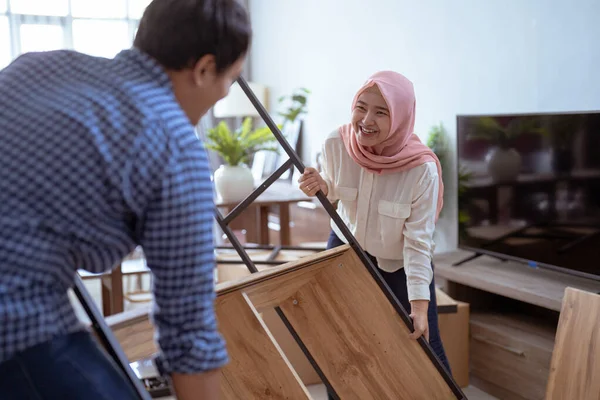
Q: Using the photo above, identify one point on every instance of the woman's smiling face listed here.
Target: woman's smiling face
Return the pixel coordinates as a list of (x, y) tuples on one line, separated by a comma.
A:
[(371, 117)]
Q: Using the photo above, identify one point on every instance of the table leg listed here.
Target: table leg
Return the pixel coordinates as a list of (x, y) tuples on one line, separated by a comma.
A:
[(112, 292), (264, 225), (284, 224)]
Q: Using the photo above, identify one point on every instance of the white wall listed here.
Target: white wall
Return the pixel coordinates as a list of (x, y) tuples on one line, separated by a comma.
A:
[(464, 56)]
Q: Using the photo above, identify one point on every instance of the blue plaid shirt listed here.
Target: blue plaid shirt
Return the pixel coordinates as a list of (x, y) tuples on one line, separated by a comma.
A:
[(97, 157)]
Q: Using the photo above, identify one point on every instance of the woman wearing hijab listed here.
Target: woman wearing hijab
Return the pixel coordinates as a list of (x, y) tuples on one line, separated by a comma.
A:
[(390, 190)]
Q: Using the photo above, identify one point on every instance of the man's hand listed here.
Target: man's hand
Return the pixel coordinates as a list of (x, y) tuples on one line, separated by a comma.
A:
[(419, 317), (311, 182)]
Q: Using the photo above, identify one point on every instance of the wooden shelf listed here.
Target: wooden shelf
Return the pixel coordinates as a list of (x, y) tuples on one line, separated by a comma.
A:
[(536, 286)]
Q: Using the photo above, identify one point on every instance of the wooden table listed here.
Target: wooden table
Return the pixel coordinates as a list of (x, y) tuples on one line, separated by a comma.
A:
[(112, 283), (255, 220)]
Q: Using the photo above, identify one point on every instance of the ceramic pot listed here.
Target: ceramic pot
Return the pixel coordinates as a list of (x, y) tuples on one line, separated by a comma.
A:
[(233, 183), (503, 164)]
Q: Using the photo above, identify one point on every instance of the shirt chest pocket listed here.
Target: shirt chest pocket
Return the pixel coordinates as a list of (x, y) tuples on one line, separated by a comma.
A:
[(392, 216)]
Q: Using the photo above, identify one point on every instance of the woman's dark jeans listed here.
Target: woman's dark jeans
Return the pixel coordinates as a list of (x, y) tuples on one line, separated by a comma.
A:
[(397, 283)]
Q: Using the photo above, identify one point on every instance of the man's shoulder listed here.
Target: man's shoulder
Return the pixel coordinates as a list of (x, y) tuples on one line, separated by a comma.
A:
[(63, 60)]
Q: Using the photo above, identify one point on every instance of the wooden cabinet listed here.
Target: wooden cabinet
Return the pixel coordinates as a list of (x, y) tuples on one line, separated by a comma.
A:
[(454, 330), (512, 353)]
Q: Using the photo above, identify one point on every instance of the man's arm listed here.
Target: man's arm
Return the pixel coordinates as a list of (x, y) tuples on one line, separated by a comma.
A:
[(177, 238)]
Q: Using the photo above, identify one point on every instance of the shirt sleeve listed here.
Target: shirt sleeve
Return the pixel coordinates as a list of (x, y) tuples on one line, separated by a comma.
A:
[(328, 172), (418, 237), (177, 239)]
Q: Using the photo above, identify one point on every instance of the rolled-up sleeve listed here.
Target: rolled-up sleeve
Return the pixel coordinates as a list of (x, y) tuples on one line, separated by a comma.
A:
[(177, 238), (328, 172), (418, 237)]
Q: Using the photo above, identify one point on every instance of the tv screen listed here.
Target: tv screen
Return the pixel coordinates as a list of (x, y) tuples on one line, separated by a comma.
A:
[(529, 189)]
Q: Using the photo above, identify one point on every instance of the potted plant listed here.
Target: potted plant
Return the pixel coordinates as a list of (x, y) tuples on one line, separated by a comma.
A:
[(503, 161), (438, 142), (293, 107), (297, 105), (233, 179)]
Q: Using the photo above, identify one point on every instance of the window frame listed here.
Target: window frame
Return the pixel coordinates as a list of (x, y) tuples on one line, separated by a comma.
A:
[(16, 20)]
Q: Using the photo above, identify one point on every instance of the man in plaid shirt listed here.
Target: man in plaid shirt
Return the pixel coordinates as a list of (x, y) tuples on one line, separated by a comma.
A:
[(98, 156)]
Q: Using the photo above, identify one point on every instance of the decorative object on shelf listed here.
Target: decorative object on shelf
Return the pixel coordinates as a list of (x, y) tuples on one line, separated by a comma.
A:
[(234, 180), (503, 161), (438, 141), (504, 164)]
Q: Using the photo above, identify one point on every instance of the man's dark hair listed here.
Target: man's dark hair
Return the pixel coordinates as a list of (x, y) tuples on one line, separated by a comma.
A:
[(177, 33)]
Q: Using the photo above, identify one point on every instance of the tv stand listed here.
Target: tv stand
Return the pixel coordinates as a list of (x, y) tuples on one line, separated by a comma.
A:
[(576, 239), (474, 256), (513, 319), (490, 243)]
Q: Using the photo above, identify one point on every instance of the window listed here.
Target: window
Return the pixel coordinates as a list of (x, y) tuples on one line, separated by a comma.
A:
[(41, 37), (5, 51), (96, 27), (137, 7), (99, 8), (100, 37), (56, 8)]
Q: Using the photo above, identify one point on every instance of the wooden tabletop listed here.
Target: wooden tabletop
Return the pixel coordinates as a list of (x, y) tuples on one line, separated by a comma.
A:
[(279, 192)]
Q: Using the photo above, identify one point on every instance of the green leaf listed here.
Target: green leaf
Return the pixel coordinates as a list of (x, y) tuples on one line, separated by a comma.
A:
[(299, 98), (298, 101), (246, 127), (236, 147)]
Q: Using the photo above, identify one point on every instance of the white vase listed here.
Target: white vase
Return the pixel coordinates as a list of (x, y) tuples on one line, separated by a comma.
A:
[(503, 164), (233, 183)]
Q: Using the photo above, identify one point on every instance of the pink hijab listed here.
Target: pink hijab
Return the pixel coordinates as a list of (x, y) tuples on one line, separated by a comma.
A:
[(401, 150)]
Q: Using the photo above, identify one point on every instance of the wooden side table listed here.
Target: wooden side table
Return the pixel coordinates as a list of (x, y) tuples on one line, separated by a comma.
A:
[(255, 220)]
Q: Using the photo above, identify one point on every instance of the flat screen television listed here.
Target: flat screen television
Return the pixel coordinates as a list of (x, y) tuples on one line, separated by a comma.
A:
[(529, 189)]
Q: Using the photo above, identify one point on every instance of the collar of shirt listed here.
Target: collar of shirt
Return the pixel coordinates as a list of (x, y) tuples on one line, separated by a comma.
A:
[(152, 68)]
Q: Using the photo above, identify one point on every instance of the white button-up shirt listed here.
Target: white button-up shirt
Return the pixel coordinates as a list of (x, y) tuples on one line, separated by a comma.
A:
[(392, 215)]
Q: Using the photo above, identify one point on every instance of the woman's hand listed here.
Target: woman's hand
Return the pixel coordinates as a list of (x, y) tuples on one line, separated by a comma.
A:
[(311, 182), (419, 317)]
